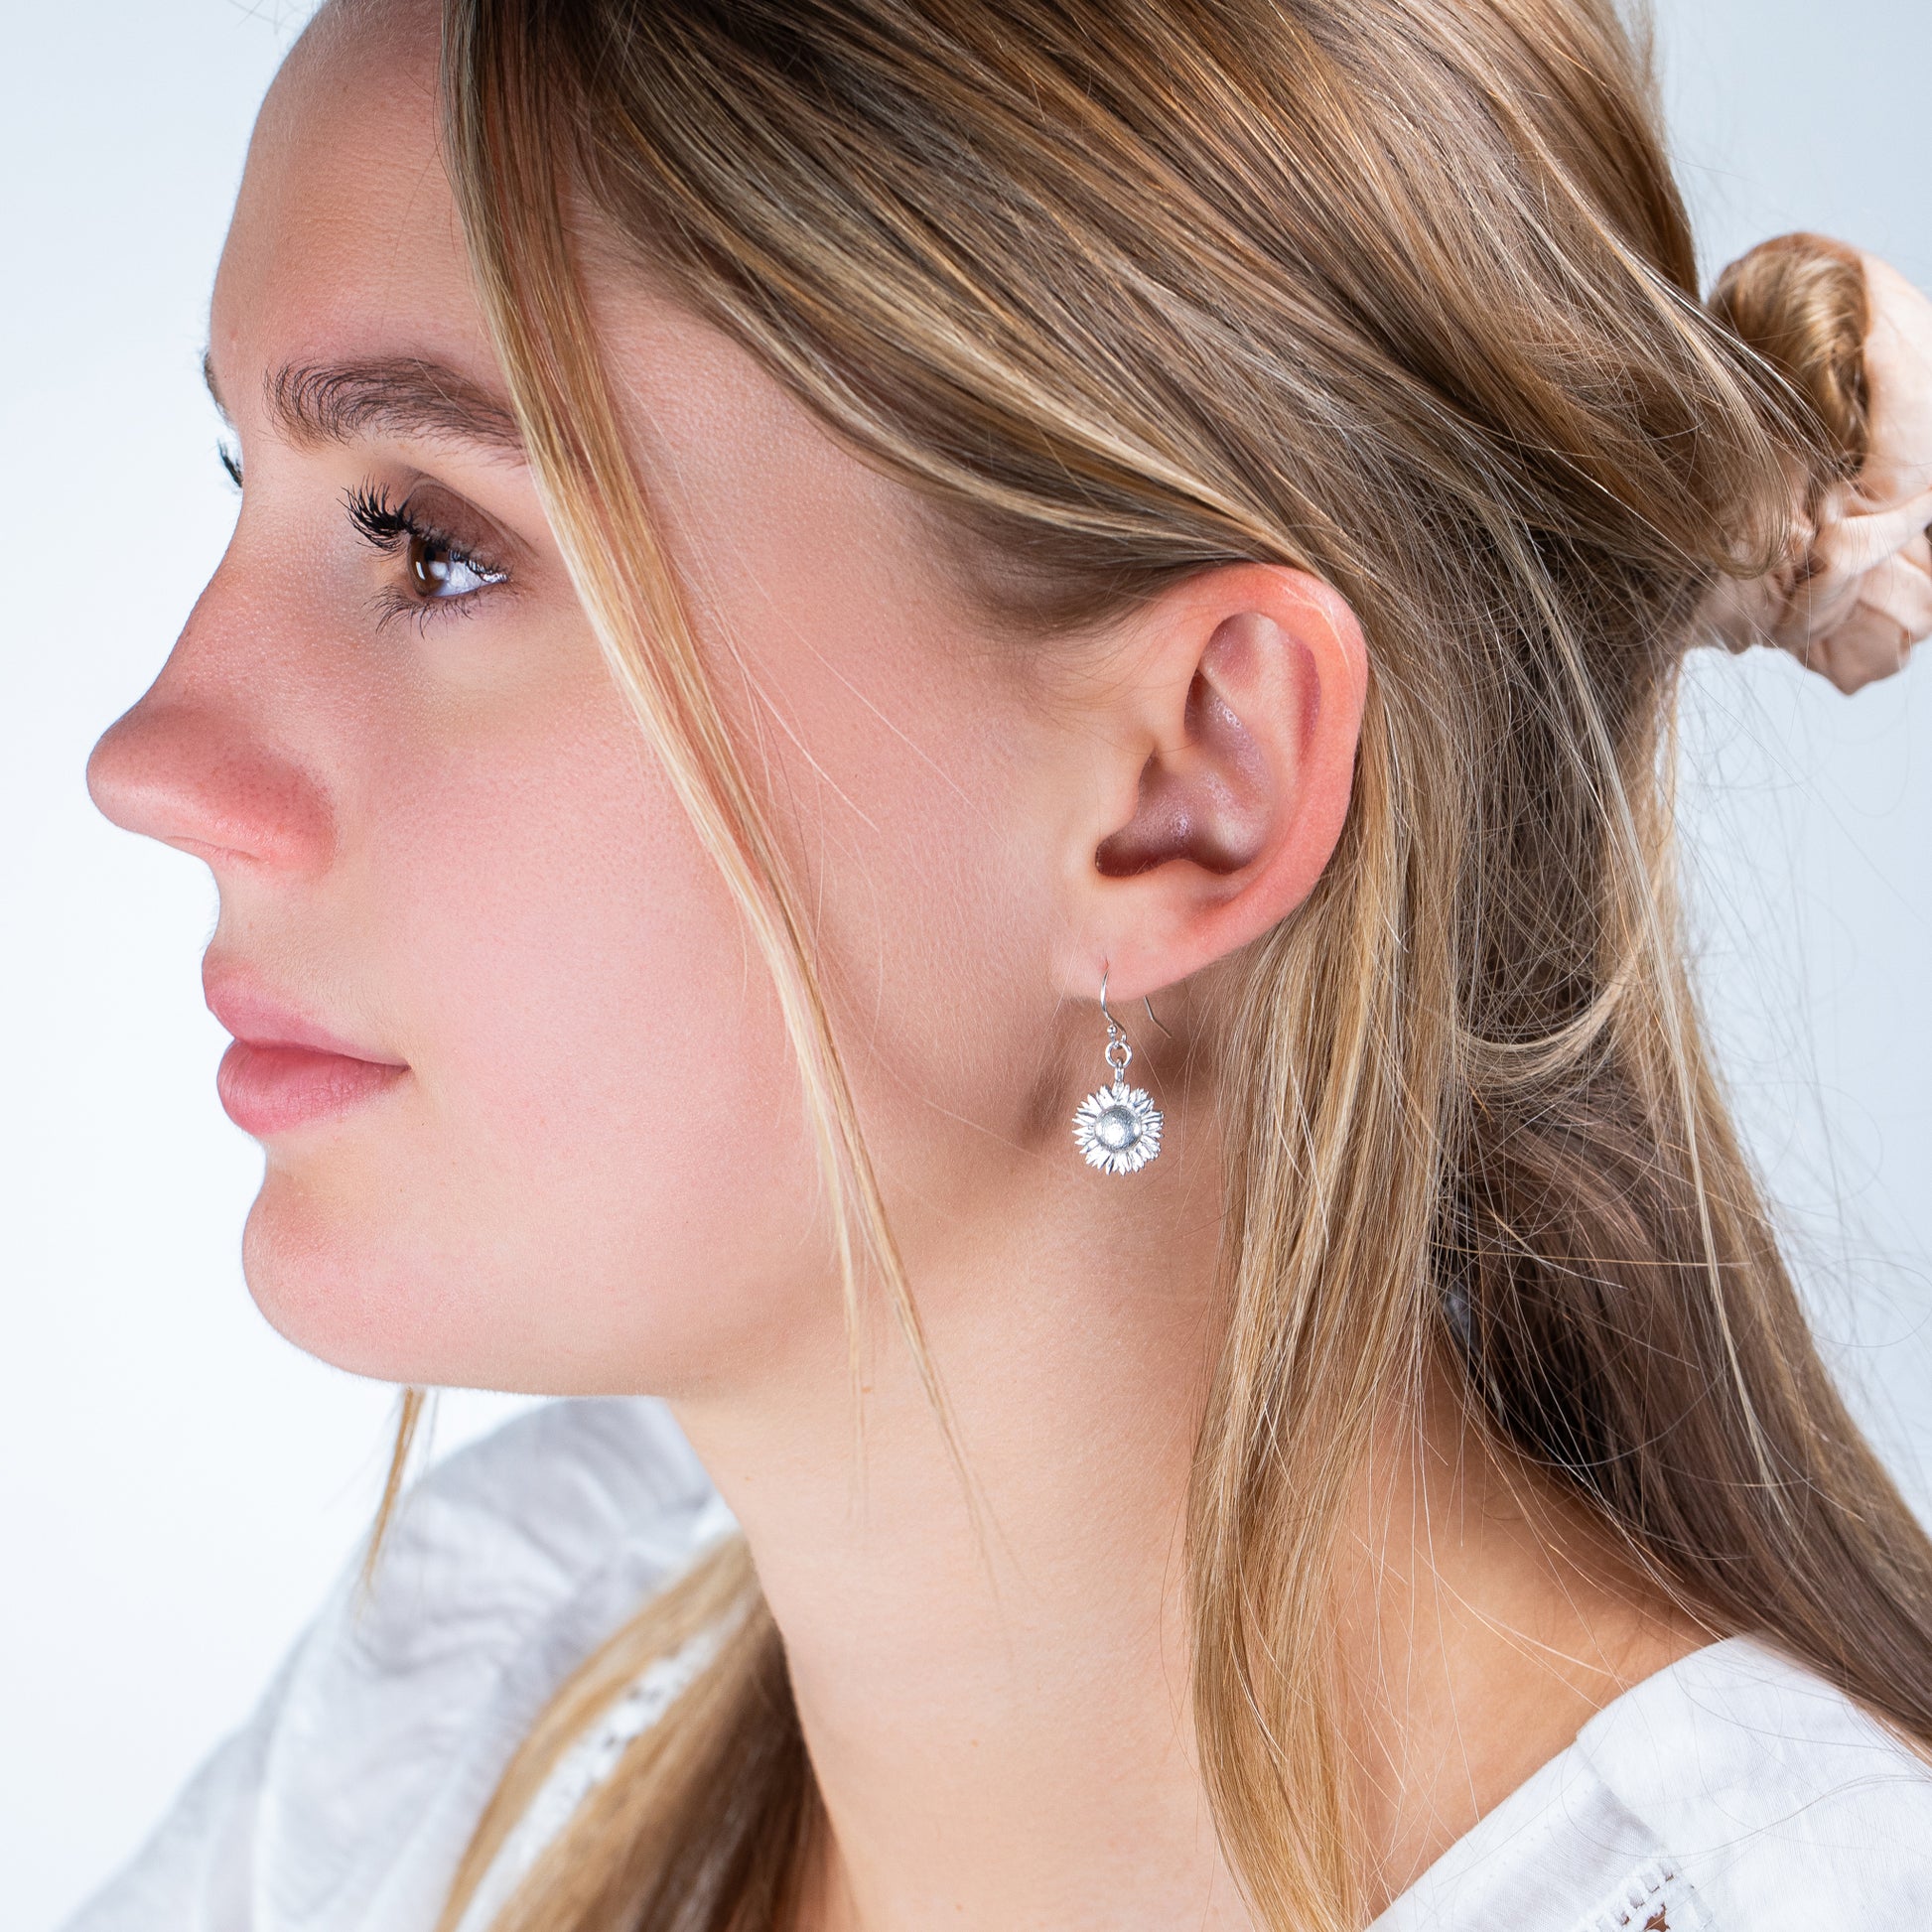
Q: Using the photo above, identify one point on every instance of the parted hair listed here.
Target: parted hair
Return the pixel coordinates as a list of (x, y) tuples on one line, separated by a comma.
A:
[(1401, 293)]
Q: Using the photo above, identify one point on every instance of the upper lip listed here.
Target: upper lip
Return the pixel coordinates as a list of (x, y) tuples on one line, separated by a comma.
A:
[(258, 1019)]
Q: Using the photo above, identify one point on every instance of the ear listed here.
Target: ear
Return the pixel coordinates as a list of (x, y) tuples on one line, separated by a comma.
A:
[(1222, 762)]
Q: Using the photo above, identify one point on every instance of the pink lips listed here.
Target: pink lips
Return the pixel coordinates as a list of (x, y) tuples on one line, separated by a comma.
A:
[(284, 1071)]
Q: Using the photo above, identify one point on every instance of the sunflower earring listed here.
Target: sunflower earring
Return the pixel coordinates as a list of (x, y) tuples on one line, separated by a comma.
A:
[(1118, 1128)]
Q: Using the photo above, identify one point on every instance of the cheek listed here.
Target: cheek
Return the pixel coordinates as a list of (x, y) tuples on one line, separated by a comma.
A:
[(935, 918), (595, 1178)]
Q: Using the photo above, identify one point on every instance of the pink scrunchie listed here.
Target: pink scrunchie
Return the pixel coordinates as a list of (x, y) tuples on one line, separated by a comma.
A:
[(1858, 593)]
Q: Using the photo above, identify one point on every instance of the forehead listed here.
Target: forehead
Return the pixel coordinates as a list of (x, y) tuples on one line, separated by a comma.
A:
[(345, 245), (344, 300)]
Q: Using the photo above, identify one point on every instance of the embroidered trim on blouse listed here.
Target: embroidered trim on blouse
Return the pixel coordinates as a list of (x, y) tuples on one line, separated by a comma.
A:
[(1654, 1898), (586, 1765)]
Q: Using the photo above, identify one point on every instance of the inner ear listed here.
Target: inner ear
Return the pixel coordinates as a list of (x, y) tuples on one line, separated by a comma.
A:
[(1209, 799)]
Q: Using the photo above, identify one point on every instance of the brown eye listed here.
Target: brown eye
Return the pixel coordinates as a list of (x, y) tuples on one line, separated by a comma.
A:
[(437, 567), (438, 570)]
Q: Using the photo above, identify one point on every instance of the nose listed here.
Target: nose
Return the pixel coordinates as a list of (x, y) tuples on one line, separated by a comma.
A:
[(191, 765), (176, 773)]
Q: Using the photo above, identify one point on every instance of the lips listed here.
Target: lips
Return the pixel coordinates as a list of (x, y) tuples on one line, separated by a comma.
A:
[(285, 1070)]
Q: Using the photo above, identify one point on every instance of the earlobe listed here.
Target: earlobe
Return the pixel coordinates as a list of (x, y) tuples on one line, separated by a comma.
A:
[(1244, 717)]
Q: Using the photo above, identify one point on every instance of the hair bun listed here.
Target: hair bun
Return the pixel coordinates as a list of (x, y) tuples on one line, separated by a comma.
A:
[(1853, 592)]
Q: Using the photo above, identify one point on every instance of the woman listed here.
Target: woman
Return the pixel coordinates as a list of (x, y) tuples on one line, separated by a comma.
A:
[(815, 581)]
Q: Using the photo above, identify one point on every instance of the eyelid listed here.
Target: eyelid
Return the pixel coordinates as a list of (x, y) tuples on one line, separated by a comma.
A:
[(386, 526)]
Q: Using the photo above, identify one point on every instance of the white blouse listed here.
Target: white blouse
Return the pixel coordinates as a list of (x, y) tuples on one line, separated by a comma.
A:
[(1733, 1792)]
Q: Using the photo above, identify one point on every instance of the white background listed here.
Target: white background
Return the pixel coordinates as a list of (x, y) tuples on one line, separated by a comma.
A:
[(176, 1485)]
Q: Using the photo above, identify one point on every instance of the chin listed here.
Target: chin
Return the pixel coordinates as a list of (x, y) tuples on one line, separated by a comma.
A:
[(404, 1303), (328, 1280)]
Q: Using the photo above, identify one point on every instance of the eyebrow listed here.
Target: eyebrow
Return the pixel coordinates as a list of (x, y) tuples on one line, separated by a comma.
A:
[(407, 398)]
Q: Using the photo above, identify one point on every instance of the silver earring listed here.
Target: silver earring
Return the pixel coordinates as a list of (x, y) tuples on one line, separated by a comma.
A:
[(1118, 1128)]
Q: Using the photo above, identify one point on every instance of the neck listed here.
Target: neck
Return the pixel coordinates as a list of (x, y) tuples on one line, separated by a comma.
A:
[(1485, 1618), (995, 1691)]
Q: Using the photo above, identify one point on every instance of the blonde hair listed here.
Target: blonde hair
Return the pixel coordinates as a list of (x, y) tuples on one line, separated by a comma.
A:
[(1399, 292)]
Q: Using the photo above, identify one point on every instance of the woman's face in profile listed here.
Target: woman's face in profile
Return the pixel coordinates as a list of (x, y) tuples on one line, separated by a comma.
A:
[(529, 1114)]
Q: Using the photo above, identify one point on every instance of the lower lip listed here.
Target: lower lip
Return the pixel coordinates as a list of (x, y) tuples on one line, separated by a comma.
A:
[(271, 1090)]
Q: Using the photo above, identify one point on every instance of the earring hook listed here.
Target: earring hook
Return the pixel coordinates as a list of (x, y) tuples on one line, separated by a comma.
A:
[(1107, 1014)]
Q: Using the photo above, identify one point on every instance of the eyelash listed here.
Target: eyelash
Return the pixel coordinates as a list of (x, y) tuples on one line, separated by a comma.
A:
[(393, 528)]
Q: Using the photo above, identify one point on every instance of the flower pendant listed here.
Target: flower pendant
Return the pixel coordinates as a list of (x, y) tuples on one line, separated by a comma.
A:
[(1117, 1129)]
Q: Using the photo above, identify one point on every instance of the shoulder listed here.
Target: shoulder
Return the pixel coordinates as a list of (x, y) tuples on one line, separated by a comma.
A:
[(1782, 1800), (350, 1798), (1733, 1792)]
